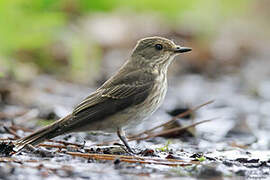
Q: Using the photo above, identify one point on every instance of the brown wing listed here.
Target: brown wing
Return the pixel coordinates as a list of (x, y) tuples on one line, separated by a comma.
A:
[(112, 98)]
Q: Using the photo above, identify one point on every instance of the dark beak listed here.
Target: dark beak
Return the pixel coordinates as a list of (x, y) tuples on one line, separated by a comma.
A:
[(180, 49)]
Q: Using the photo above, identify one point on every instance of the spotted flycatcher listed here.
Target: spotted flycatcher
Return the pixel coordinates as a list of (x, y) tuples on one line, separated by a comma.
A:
[(130, 95)]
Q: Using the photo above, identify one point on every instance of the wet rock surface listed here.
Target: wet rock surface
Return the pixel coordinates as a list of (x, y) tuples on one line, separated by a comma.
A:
[(234, 144)]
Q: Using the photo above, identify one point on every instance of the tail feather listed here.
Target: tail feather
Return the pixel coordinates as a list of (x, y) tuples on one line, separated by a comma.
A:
[(48, 132)]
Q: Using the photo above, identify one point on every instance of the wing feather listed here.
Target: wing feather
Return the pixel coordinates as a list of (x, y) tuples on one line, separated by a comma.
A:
[(120, 88), (112, 98)]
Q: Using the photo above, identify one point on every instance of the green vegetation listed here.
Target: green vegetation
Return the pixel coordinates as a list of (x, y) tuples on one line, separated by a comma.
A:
[(201, 159), (30, 29), (166, 147)]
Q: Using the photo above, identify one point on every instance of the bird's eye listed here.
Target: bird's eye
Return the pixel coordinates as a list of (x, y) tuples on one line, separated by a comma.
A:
[(158, 47)]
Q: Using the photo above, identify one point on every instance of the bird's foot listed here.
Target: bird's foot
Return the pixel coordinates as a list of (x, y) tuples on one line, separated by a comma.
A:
[(128, 149), (123, 138)]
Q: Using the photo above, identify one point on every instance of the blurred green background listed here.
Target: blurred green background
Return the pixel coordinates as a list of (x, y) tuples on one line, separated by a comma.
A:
[(71, 39)]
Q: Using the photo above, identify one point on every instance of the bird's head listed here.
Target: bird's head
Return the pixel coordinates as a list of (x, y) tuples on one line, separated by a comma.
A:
[(156, 51)]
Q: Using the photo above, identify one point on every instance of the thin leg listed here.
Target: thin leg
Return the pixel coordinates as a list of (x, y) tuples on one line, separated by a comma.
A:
[(84, 141), (121, 135)]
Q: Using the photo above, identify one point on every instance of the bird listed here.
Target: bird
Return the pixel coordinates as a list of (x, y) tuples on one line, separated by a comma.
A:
[(132, 94)]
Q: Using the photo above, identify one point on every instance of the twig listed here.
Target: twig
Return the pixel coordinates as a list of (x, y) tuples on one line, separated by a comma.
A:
[(173, 119), (10, 131), (170, 130), (53, 146), (135, 159), (65, 143)]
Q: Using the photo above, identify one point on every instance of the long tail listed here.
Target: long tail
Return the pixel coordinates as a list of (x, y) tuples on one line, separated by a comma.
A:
[(48, 132)]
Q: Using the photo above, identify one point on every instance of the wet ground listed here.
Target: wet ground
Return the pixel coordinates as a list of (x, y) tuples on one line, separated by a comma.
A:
[(233, 145)]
